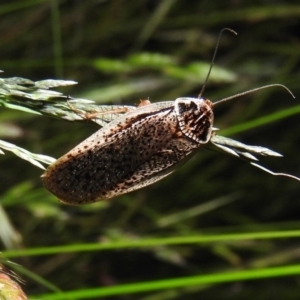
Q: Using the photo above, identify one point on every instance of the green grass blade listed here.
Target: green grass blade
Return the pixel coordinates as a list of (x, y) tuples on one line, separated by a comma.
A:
[(152, 242), (176, 283)]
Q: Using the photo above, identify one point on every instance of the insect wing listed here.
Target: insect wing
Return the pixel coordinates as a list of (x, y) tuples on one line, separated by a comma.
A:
[(131, 152), (116, 158)]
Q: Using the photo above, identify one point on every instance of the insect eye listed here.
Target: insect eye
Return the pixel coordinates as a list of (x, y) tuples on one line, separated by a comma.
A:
[(195, 118)]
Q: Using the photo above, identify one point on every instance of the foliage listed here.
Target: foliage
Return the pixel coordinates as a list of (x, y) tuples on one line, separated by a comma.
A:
[(123, 51)]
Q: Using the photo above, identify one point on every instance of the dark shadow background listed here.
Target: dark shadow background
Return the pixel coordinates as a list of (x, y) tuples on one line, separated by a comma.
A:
[(65, 39)]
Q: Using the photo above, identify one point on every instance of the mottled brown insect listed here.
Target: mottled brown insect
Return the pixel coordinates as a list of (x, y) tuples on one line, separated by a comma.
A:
[(142, 146), (131, 152)]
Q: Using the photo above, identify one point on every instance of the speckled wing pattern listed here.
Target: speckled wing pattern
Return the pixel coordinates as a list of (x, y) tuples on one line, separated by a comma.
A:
[(132, 151), (139, 148)]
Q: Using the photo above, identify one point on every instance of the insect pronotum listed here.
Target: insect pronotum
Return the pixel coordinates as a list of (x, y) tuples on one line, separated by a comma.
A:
[(141, 147)]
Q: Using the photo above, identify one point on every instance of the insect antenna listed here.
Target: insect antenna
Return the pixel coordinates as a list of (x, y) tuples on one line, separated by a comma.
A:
[(252, 91), (213, 59)]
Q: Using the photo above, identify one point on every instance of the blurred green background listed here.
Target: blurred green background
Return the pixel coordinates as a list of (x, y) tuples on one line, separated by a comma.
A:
[(124, 51)]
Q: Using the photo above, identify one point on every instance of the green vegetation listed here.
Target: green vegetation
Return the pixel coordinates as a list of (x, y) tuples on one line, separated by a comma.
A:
[(217, 228)]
